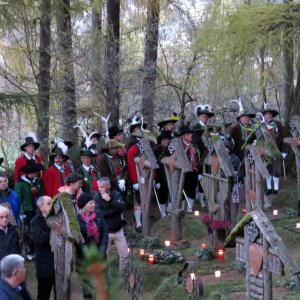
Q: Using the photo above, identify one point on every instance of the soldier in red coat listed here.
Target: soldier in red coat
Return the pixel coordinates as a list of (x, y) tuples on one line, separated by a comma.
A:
[(276, 166), (28, 147), (55, 176)]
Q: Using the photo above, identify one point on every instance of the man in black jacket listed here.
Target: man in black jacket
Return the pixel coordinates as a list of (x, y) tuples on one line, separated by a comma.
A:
[(44, 256), (12, 279), (9, 237), (111, 204)]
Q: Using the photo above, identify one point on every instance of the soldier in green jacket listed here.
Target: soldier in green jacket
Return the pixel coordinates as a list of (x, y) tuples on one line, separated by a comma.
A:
[(29, 188)]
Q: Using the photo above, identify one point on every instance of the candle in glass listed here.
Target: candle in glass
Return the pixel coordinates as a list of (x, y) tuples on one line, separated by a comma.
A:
[(151, 259)]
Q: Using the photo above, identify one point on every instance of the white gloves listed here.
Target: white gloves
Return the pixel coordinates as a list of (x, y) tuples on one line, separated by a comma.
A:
[(135, 186), (121, 184), (199, 177), (157, 186)]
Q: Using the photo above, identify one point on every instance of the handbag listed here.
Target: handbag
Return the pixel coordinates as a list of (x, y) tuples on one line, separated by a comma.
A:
[(238, 193)]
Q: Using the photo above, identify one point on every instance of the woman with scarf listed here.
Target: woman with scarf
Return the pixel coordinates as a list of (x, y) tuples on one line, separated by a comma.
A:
[(94, 231)]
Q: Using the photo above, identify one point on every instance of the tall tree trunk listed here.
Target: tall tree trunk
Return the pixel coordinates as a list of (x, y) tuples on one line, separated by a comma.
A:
[(97, 38), (288, 78), (262, 73), (66, 68), (44, 77), (112, 60), (150, 61)]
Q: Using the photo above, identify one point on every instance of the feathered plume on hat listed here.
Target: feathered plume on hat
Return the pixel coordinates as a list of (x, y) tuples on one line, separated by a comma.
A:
[(270, 110), (87, 137), (32, 135), (242, 111), (203, 109), (60, 143), (105, 120)]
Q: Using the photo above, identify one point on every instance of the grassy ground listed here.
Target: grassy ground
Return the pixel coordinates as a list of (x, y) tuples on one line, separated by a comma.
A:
[(160, 281)]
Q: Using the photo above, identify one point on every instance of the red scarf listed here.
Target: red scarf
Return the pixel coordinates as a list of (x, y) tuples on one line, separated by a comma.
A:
[(92, 229)]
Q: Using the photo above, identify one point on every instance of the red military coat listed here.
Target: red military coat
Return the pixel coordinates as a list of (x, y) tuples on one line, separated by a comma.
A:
[(132, 153), (21, 162), (53, 179)]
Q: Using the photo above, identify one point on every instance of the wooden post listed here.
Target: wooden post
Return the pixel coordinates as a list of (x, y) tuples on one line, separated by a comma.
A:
[(247, 244), (267, 275), (145, 166), (247, 185), (180, 163), (295, 143)]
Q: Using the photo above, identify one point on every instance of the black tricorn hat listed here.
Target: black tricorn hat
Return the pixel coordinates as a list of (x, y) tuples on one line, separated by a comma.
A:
[(87, 152), (184, 129), (114, 130), (59, 152), (32, 167), (270, 110), (95, 134), (30, 140), (1, 160), (165, 134)]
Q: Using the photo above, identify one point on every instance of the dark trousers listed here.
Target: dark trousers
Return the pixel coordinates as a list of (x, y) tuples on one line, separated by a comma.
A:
[(44, 288)]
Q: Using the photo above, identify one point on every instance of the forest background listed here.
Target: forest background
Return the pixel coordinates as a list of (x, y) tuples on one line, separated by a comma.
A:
[(61, 61)]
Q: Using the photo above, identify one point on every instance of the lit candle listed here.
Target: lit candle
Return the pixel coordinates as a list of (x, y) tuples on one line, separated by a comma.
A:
[(193, 276), (244, 211), (218, 274), (275, 212), (298, 225), (151, 259), (142, 253), (167, 243), (220, 254), (203, 246), (197, 213)]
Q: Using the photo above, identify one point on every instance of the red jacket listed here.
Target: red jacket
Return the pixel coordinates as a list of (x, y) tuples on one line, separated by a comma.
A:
[(132, 175), (21, 162), (53, 180)]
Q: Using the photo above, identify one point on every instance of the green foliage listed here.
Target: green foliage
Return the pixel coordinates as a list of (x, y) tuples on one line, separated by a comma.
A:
[(206, 254), (167, 256), (170, 289), (150, 242)]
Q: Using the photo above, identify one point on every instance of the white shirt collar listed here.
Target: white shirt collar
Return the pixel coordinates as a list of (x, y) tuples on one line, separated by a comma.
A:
[(87, 168), (28, 157)]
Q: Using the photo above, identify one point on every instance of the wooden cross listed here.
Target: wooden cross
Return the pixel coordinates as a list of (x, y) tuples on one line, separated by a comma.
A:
[(176, 166)]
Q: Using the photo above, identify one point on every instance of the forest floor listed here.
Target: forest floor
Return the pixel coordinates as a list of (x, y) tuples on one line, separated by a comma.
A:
[(159, 281)]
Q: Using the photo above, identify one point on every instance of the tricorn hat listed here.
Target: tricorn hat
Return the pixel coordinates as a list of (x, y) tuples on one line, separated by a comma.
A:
[(60, 143), (171, 119), (135, 122), (31, 139), (184, 129), (114, 130), (204, 109), (267, 109), (87, 152), (165, 134), (59, 152), (32, 167)]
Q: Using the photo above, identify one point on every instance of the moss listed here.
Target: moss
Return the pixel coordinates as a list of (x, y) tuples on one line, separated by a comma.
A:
[(170, 289), (66, 202)]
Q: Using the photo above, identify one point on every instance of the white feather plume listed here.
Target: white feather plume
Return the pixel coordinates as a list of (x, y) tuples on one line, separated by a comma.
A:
[(266, 105), (60, 144), (196, 108), (105, 120), (32, 135), (85, 136), (239, 102), (261, 117)]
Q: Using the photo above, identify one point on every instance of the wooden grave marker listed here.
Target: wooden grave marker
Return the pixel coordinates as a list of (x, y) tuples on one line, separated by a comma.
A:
[(176, 166), (295, 143), (263, 252), (145, 166), (217, 169)]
